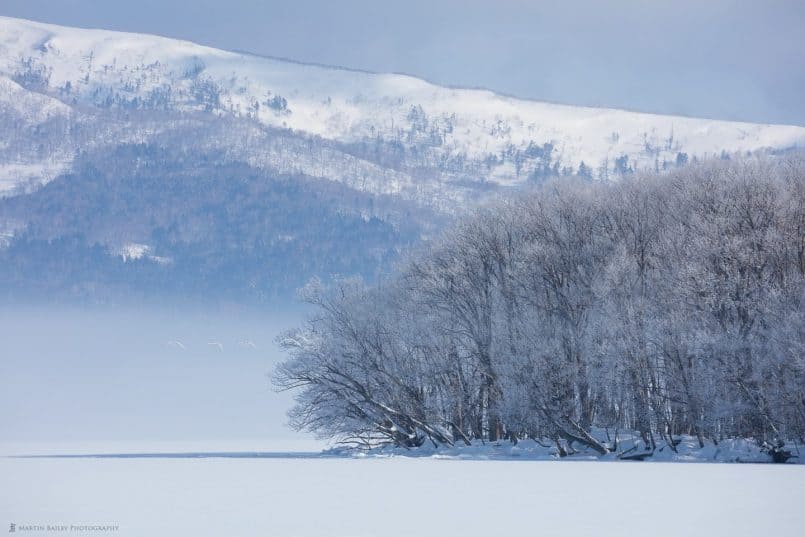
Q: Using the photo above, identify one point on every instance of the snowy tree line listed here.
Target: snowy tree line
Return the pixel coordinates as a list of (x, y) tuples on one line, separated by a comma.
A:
[(666, 305)]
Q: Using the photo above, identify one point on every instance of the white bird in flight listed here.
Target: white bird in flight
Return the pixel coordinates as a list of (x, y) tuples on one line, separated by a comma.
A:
[(248, 343), (216, 345), (176, 345)]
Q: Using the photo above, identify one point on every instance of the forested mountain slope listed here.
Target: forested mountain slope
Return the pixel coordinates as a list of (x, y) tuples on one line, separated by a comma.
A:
[(139, 164)]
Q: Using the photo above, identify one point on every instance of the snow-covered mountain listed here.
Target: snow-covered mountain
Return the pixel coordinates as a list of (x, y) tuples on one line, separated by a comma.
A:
[(383, 133), (139, 165)]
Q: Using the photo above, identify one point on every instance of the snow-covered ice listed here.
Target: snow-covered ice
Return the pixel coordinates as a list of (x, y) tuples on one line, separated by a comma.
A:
[(403, 497)]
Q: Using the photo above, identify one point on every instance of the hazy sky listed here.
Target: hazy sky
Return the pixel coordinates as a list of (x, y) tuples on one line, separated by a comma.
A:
[(728, 59)]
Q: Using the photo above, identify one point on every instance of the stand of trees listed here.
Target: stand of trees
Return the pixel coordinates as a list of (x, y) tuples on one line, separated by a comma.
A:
[(666, 305)]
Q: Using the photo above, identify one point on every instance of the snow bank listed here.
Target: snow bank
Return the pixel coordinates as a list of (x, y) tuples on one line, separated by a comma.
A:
[(630, 448)]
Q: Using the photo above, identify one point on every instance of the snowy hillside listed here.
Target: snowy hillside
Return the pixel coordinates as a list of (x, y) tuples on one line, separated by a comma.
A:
[(135, 165), (393, 133)]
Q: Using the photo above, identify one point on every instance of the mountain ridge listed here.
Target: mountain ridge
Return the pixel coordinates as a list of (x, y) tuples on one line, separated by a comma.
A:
[(337, 67), (137, 166), (492, 136)]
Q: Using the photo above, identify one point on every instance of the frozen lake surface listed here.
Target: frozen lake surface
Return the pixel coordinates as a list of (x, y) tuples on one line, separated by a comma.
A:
[(401, 496)]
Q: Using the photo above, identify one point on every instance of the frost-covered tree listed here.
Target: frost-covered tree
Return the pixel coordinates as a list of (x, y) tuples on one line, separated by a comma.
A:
[(667, 305)]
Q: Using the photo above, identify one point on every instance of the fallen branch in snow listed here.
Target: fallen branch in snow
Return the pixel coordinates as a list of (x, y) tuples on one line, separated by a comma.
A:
[(636, 456)]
